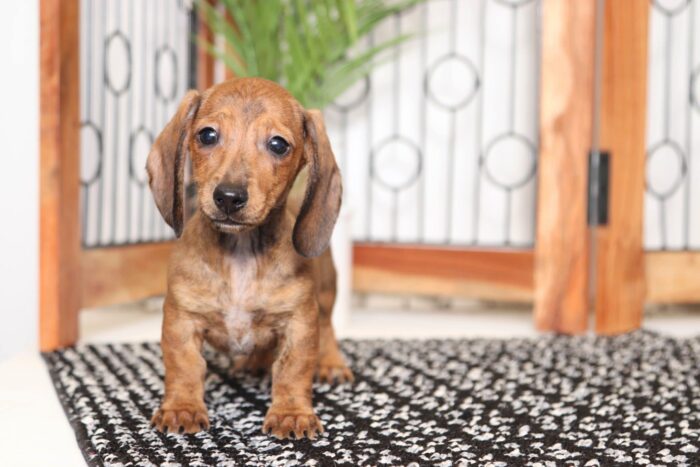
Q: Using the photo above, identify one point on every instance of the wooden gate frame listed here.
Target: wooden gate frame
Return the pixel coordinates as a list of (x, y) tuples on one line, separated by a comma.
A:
[(555, 275), (72, 277), (59, 225), (574, 272)]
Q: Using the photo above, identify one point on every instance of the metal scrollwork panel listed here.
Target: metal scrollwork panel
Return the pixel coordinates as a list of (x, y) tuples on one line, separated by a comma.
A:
[(439, 144), (672, 201), (136, 64)]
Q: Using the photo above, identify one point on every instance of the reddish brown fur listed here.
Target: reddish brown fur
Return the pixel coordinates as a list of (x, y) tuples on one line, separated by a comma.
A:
[(248, 288)]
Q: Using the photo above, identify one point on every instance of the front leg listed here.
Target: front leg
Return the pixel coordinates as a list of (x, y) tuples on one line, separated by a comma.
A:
[(291, 410), (182, 409)]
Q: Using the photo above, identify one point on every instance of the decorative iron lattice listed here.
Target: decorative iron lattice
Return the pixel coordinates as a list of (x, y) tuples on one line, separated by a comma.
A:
[(439, 144), (672, 204), (136, 64)]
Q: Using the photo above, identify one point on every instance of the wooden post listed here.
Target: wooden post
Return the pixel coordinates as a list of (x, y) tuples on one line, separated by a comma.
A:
[(566, 115), (620, 283), (59, 281)]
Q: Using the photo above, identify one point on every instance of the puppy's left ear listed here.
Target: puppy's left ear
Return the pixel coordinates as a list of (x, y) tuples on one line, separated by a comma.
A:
[(324, 190), (166, 163)]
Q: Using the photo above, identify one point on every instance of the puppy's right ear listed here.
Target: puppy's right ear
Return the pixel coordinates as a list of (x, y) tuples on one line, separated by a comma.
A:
[(166, 163)]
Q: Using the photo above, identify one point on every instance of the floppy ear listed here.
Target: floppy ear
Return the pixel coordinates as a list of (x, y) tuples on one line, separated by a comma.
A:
[(166, 163), (324, 190)]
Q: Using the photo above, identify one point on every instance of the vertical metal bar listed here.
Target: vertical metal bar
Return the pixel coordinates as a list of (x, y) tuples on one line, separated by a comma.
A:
[(450, 174), (452, 133), (508, 209), (667, 123), (154, 112), (513, 64), (144, 54), (129, 124), (513, 99), (116, 98), (688, 129), (662, 222), (397, 120), (421, 187), (103, 119), (164, 102), (478, 130)]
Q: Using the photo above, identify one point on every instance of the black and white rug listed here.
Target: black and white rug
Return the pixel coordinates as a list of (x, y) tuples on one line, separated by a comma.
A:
[(627, 400)]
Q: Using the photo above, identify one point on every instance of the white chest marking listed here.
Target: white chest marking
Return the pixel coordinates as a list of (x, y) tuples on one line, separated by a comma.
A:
[(239, 317)]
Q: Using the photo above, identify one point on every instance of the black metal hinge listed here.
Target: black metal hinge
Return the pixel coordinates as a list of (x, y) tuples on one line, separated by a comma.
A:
[(598, 188)]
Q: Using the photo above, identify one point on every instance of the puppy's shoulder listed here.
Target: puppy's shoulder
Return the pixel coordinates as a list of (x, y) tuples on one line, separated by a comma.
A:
[(193, 251)]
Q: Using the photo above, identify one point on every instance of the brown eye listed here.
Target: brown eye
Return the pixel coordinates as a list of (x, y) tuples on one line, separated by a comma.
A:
[(278, 145), (208, 136)]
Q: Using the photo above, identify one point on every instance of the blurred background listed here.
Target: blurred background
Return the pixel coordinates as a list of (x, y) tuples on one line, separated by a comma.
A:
[(510, 166)]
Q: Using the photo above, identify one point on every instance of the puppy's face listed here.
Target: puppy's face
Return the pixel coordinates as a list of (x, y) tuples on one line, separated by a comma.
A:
[(246, 143), (247, 139)]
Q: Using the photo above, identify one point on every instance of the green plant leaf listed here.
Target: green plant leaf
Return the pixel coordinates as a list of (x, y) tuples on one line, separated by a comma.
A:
[(309, 46), (348, 13), (230, 61)]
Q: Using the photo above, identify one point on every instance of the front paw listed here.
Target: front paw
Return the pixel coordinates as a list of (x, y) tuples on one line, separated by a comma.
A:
[(282, 423), (185, 418)]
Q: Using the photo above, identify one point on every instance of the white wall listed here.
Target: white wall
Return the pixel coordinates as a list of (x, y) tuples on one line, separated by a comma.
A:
[(19, 195)]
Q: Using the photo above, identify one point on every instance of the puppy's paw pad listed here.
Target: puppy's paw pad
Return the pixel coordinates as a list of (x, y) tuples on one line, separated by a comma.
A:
[(287, 425), (334, 373), (181, 420)]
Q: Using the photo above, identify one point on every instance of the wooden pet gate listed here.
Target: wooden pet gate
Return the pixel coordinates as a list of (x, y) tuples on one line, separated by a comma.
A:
[(588, 94)]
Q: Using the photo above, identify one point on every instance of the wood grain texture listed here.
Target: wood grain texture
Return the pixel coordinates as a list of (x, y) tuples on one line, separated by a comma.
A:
[(59, 264), (566, 114), (620, 279), (123, 274), (673, 276), (484, 274)]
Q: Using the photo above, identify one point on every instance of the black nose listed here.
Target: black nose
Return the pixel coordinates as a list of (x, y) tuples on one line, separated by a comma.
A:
[(230, 198)]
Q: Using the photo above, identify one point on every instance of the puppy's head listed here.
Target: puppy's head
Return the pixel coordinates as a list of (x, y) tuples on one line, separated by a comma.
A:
[(247, 139)]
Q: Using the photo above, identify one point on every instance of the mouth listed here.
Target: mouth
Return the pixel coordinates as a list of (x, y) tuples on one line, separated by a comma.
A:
[(229, 225)]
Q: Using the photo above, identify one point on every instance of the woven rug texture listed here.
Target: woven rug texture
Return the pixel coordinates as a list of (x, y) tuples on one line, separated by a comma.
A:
[(574, 401)]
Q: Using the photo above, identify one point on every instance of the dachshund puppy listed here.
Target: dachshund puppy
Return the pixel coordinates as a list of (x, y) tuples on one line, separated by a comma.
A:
[(251, 273)]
